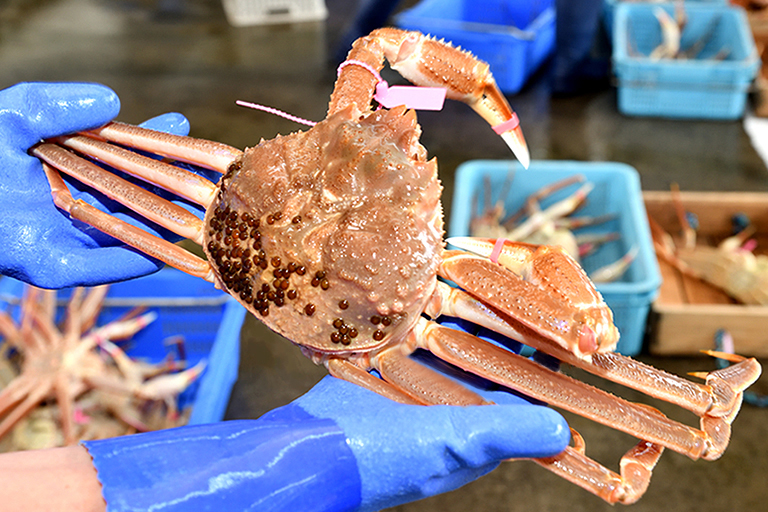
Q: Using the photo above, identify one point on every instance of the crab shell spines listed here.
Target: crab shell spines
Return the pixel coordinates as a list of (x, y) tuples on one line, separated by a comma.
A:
[(333, 236)]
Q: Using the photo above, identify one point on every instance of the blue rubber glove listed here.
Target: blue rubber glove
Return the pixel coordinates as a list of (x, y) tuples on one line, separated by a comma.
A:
[(339, 447), (41, 244)]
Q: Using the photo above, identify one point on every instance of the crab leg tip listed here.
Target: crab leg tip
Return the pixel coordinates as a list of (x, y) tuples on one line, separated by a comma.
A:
[(479, 246), (733, 358), (516, 142)]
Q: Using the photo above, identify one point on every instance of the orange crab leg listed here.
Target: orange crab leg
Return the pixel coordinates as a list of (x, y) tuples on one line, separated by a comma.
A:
[(73, 320), (10, 333), (92, 304), (718, 397), (169, 177), (151, 245), (211, 155), (343, 369), (39, 391), (64, 398), (427, 62), (425, 385), (717, 401), (545, 290), (184, 183), (629, 486), (430, 387), (143, 202), (15, 391), (539, 218), (530, 378)]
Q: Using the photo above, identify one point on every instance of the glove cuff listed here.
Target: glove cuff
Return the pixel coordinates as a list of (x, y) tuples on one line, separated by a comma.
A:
[(287, 460)]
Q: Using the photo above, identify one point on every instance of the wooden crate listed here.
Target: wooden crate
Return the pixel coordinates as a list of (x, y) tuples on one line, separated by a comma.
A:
[(688, 312)]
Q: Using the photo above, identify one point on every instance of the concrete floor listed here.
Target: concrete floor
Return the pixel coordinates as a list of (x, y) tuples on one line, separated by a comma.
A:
[(174, 55)]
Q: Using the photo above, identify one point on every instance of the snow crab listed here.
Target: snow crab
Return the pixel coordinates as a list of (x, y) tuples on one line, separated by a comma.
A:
[(333, 238), (731, 265), (66, 368)]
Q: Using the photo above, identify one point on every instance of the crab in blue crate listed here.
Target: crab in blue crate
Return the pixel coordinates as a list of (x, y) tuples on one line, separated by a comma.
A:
[(73, 374), (333, 238), (672, 29), (551, 225), (612, 213)]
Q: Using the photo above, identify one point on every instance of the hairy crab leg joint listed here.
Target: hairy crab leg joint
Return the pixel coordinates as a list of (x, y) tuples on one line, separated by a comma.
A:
[(333, 237)]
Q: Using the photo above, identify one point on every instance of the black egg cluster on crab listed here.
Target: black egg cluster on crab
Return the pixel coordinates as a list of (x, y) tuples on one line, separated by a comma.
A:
[(236, 249), (235, 246)]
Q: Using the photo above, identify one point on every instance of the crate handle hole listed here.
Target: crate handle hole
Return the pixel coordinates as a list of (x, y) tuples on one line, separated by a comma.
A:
[(278, 11)]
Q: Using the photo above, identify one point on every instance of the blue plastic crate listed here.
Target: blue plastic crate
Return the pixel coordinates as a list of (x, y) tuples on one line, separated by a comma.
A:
[(701, 88), (514, 37), (208, 319), (616, 191)]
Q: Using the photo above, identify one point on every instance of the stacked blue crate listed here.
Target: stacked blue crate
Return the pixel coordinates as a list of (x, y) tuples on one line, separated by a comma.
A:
[(712, 85)]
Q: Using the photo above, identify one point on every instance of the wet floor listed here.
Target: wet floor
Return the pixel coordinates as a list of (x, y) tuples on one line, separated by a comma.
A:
[(175, 55)]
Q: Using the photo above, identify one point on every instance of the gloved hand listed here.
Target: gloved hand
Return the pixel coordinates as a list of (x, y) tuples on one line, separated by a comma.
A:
[(41, 244), (339, 447)]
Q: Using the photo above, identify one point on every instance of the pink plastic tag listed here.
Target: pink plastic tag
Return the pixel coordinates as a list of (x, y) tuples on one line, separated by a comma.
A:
[(497, 247), (750, 245), (510, 124), (80, 417), (417, 98)]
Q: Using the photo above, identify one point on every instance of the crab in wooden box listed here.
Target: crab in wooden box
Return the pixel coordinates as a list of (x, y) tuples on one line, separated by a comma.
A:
[(333, 238)]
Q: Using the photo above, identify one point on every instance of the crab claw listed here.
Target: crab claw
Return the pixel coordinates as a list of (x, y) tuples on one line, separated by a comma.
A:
[(427, 62), (492, 106), (559, 285), (516, 142)]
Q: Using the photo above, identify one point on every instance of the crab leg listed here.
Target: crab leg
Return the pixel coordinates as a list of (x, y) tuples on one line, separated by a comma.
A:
[(10, 333), (143, 202), (343, 369), (169, 177), (73, 320), (626, 488), (539, 218), (501, 309), (49, 334), (186, 184), (530, 378), (34, 395), (427, 386), (26, 328), (545, 290), (15, 391), (64, 398), (718, 397), (532, 208), (91, 307), (205, 153), (151, 245), (430, 387), (424, 61)]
